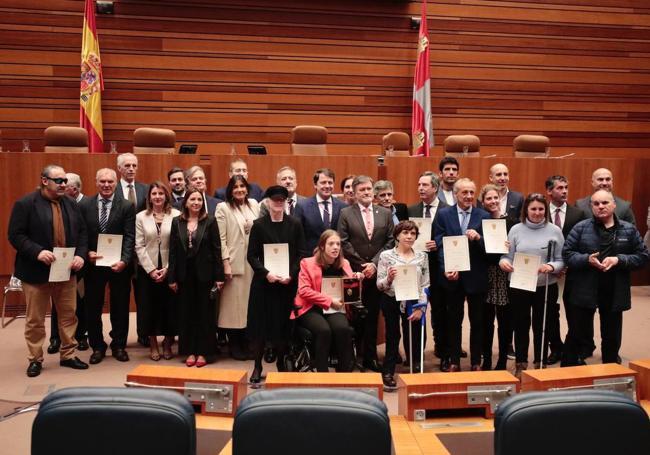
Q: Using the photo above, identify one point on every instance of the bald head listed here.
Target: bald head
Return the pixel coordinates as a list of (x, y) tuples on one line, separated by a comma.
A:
[(500, 177), (602, 179), (603, 205)]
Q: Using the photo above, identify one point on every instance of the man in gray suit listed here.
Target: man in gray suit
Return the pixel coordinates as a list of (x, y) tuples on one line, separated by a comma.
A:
[(602, 179), (366, 230), (127, 187), (286, 177)]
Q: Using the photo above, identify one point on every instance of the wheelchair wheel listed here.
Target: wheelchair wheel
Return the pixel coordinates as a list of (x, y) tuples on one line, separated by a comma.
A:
[(303, 361)]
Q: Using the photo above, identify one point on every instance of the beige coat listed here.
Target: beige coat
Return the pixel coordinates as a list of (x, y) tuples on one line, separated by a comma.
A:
[(233, 305), (146, 239)]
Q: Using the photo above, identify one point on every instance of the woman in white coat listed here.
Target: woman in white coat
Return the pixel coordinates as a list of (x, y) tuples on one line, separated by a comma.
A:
[(156, 302), (235, 218)]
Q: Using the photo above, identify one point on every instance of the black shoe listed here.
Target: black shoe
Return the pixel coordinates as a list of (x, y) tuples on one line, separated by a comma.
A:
[(444, 365), (55, 345), (255, 377), (82, 344), (372, 365), (389, 382), (463, 354), (96, 357), (34, 369), (581, 362), (269, 355), (553, 358), (120, 355), (143, 341), (74, 363)]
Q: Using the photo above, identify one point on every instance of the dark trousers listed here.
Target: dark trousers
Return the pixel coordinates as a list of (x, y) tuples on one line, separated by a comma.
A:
[(119, 285), (455, 314), (439, 320), (368, 328), (326, 328), (80, 333), (390, 310), (504, 332), (523, 302), (587, 346), (416, 327)]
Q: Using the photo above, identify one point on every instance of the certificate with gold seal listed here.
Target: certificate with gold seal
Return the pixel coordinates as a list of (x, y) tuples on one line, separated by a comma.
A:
[(424, 233), (405, 283), (332, 287), (276, 259), (526, 269), (456, 253), (109, 247), (60, 268), (495, 236)]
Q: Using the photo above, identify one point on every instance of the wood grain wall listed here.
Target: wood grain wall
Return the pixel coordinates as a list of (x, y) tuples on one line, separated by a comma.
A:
[(246, 71)]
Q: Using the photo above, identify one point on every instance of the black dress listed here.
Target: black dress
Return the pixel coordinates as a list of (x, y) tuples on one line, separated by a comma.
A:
[(270, 304), (195, 266)]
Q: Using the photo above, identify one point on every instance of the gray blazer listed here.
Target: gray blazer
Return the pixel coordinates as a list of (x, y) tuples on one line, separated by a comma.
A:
[(357, 248), (623, 209)]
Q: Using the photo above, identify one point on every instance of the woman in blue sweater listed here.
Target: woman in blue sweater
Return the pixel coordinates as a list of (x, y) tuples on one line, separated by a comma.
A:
[(537, 236)]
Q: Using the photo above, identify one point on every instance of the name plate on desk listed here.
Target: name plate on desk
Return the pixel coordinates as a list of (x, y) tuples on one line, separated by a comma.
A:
[(417, 393), (370, 383), (609, 376), (214, 392)]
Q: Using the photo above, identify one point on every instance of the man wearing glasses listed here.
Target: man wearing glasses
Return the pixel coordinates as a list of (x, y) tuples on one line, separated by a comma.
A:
[(40, 222)]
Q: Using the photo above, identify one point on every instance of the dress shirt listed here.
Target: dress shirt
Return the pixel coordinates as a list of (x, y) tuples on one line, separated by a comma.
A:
[(449, 196), (321, 208), (432, 210), (553, 208), (125, 190), (503, 203), (79, 197), (287, 207), (369, 223), (461, 213), (109, 206)]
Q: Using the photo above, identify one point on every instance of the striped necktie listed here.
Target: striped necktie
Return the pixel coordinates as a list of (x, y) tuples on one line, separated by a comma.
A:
[(103, 216)]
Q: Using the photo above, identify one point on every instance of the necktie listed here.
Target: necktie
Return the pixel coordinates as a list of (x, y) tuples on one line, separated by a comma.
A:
[(368, 220), (326, 214), (465, 222), (557, 221), (289, 206), (427, 211), (103, 216), (131, 193)]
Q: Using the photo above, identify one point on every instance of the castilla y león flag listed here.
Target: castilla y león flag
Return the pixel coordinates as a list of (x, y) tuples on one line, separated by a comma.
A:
[(92, 82), (421, 127)]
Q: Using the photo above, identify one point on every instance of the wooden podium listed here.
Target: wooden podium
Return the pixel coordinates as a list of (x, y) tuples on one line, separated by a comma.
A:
[(642, 368), (609, 376), (366, 382), (216, 392), (418, 393)]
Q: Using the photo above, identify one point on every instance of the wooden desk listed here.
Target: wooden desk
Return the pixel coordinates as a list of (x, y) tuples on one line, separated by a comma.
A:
[(642, 368), (363, 381)]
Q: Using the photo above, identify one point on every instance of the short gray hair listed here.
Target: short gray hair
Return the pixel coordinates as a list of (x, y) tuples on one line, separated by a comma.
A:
[(382, 185), (123, 156), (462, 181), (359, 179), (106, 170), (74, 180), (435, 182)]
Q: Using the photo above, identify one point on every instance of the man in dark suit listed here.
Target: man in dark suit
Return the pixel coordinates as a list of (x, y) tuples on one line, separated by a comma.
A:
[(366, 230), (385, 196), (602, 179), (463, 219), (73, 190), (565, 217), (195, 177), (176, 179), (239, 167), (511, 202), (286, 177), (429, 207), (448, 168), (40, 222), (128, 188), (321, 211), (107, 214)]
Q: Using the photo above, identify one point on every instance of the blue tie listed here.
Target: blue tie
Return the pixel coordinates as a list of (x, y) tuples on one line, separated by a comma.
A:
[(465, 222)]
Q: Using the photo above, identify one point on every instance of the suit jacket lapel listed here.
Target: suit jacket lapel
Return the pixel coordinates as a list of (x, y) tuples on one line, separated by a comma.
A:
[(454, 220), (200, 230), (182, 233), (45, 214), (317, 215)]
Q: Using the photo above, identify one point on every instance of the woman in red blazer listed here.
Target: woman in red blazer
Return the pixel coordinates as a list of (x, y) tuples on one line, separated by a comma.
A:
[(319, 313)]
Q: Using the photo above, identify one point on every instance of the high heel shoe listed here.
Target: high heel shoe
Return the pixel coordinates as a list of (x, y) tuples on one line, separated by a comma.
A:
[(190, 361), (255, 377), (200, 362), (167, 349)]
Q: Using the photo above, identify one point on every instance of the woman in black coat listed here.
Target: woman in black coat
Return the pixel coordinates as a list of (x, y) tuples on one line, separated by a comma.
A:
[(195, 267), (271, 297)]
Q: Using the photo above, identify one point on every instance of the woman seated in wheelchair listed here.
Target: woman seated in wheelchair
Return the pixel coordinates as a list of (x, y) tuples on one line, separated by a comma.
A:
[(405, 234), (324, 316)]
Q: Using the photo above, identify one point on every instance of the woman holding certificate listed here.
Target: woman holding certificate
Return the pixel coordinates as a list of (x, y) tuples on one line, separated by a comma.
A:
[(319, 303), (157, 306), (496, 302), (394, 265), (195, 268), (275, 248), (533, 261), (235, 219)]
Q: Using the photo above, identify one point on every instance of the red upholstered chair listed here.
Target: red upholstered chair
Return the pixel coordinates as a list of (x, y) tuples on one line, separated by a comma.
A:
[(531, 146), (154, 140), (396, 143), (462, 145), (309, 140), (70, 139)]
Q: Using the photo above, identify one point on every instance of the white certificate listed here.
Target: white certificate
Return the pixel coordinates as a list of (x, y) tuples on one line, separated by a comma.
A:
[(456, 253), (526, 269), (495, 236), (109, 247), (276, 259), (60, 268), (332, 287), (424, 228), (405, 283)]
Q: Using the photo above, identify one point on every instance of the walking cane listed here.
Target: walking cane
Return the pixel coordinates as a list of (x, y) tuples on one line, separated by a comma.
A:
[(549, 256), (410, 306)]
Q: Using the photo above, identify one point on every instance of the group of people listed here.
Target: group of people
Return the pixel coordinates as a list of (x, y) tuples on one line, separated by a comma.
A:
[(197, 265)]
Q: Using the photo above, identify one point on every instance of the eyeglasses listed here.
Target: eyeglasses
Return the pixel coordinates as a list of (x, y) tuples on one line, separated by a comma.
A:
[(57, 180)]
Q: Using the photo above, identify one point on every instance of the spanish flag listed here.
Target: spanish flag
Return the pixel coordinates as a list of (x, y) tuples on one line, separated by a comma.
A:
[(92, 82), (421, 124)]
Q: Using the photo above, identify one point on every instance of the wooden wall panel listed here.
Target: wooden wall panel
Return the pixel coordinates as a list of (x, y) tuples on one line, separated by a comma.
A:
[(242, 72)]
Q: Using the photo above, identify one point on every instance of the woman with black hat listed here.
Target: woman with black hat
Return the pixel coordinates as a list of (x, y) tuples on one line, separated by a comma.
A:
[(271, 297)]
